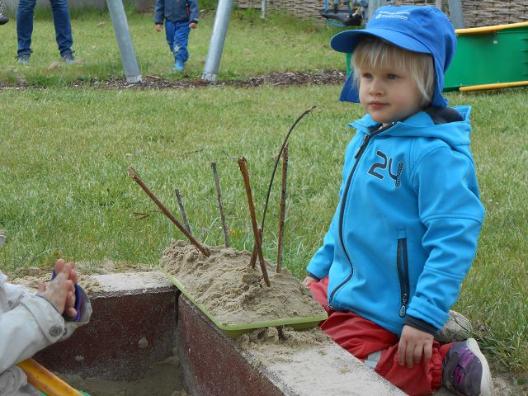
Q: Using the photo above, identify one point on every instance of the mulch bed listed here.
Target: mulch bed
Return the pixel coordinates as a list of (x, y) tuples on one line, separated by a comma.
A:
[(154, 82)]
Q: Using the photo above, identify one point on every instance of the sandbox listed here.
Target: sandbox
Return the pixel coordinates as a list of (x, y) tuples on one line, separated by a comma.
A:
[(145, 338)]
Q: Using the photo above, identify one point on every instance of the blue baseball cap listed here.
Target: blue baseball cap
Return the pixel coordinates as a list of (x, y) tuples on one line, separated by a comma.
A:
[(422, 29)]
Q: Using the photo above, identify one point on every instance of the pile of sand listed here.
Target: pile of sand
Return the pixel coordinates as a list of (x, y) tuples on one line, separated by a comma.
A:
[(228, 288)]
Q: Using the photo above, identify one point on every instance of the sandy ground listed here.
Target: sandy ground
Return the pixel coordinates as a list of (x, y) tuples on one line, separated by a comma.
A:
[(162, 379)]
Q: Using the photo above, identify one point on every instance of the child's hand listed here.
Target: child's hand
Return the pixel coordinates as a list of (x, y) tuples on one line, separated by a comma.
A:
[(60, 292), (62, 266), (158, 27), (193, 25), (308, 281), (413, 346)]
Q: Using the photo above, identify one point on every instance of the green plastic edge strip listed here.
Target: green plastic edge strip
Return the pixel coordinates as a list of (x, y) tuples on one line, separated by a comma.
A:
[(304, 322)]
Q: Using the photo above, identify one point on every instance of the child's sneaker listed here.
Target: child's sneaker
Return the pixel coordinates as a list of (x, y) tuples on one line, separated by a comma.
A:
[(466, 370), (179, 66)]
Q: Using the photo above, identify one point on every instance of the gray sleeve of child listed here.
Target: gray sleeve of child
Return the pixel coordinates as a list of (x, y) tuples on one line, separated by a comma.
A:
[(26, 329), (33, 325)]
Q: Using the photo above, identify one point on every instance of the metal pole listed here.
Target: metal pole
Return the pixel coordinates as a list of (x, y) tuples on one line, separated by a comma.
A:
[(216, 46), (128, 55), (263, 9), (456, 13), (373, 5)]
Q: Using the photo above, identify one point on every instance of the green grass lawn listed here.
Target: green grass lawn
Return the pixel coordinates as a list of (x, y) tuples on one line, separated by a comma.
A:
[(64, 190), (64, 152), (252, 47)]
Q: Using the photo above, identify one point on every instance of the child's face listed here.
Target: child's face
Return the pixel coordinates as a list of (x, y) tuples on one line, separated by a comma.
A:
[(388, 94)]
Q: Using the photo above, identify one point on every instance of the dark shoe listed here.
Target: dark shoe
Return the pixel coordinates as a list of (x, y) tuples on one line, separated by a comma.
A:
[(3, 19), (23, 59), (68, 58), (466, 370)]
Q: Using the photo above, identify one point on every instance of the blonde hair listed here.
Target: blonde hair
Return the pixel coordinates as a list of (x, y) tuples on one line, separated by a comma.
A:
[(374, 53)]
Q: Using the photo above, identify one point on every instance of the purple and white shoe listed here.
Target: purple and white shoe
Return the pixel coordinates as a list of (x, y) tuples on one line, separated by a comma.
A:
[(466, 370)]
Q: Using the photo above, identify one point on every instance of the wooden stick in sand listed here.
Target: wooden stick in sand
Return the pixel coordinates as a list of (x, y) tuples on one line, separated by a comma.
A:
[(242, 163), (134, 175), (282, 207), (182, 210), (254, 252), (220, 205)]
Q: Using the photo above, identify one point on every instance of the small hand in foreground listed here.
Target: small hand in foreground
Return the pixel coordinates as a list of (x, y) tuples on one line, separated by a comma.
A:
[(308, 281), (413, 346), (193, 25), (60, 291), (158, 27)]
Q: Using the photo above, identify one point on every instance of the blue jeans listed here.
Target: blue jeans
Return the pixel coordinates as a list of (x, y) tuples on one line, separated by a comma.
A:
[(61, 19), (178, 37)]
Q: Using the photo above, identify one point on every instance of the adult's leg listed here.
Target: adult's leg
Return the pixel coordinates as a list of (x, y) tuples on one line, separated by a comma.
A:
[(61, 20), (24, 23), (181, 40), (378, 347)]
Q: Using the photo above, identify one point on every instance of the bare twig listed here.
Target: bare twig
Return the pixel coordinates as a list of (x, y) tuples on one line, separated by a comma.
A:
[(282, 208), (277, 162), (182, 210), (242, 163), (220, 205), (254, 253), (134, 175)]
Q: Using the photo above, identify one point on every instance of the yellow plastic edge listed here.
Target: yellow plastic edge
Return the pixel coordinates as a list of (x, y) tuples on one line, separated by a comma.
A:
[(482, 87), (490, 29)]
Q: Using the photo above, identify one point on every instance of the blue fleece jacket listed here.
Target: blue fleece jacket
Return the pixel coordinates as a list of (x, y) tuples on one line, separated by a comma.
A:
[(405, 230), (176, 11)]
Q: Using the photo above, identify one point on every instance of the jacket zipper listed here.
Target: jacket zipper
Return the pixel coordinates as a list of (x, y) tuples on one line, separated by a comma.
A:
[(403, 274), (357, 157)]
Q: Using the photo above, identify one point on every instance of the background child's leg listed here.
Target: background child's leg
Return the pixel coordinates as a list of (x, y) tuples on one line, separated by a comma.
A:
[(169, 34), (181, 39), (378, 347)]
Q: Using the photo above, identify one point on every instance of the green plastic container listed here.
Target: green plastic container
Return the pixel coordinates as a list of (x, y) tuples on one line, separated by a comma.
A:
[(490, 55), (235, 329)]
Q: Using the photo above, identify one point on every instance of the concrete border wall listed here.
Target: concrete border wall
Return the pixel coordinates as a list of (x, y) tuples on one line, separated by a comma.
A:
[(139, 318)]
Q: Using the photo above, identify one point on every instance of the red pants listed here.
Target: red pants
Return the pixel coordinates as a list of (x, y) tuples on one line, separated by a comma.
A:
[(361, 337)]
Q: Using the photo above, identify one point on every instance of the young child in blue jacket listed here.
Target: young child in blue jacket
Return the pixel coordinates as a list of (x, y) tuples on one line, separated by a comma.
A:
[(180, 17), (405, 230)]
